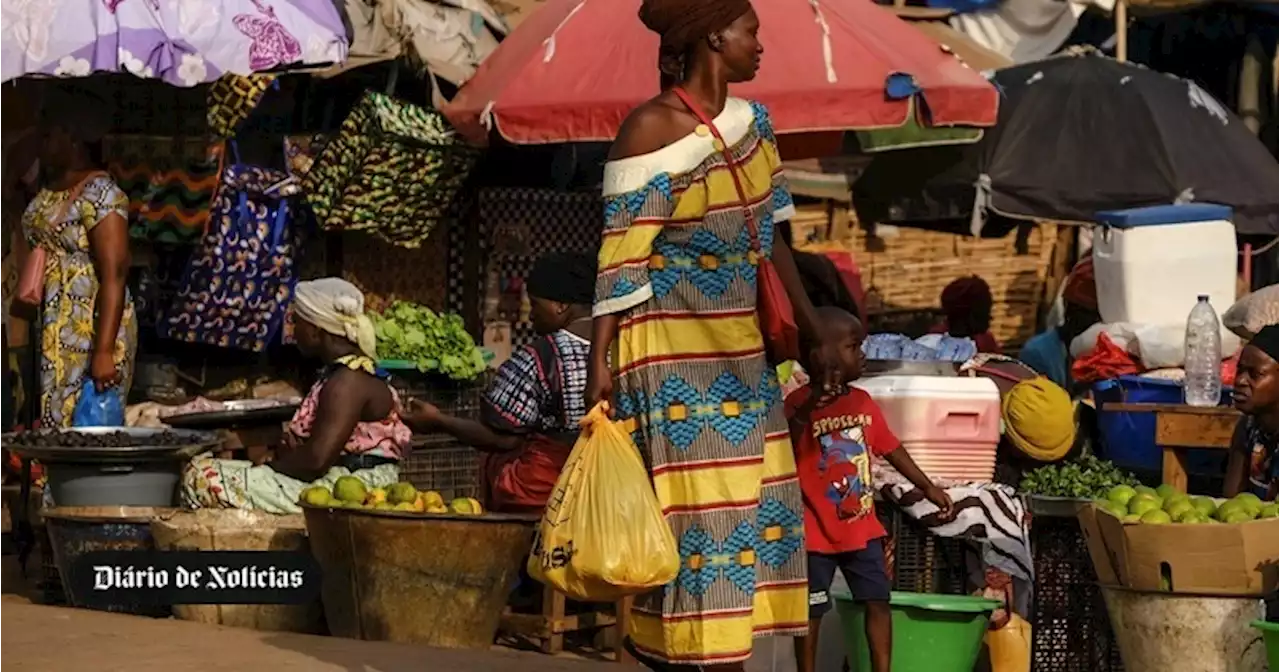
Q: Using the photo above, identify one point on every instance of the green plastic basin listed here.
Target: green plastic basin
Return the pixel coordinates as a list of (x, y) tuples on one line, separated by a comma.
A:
[(1269, 638), (931, 633)]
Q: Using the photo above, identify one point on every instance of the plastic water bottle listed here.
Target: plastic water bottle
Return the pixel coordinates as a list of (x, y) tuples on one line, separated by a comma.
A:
[(1203, 385)]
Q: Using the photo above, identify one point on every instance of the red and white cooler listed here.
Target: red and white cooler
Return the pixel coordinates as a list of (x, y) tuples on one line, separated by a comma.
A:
[(949, 425)]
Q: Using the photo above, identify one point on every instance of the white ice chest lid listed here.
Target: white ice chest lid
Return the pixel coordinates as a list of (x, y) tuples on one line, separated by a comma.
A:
[(1160, 215)]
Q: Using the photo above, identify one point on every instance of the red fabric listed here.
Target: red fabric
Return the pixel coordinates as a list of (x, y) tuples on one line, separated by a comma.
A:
[(1081, 288), (833, 460), (1229, 370), (847, 267), (986, 341), (521, 481), (574, 69), (1106, 361)]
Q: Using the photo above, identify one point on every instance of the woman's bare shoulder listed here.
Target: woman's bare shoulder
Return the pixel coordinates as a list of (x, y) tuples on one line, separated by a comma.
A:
[(656, 123)]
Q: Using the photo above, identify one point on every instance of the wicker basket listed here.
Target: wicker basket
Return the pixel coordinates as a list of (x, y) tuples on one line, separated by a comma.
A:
[(904, 270)]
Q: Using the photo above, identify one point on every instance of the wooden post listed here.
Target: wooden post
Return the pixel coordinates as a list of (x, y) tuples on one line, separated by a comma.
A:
[(1249, 102), (1122, 30)]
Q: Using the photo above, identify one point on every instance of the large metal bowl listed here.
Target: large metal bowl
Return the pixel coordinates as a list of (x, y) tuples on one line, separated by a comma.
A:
[(194, 443)]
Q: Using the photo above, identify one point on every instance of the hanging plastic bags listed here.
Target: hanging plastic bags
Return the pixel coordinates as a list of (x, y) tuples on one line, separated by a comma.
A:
[(603, 536), (98, 409)]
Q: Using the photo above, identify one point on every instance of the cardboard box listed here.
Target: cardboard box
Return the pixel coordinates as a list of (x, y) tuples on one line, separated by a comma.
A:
[(1202, 559)]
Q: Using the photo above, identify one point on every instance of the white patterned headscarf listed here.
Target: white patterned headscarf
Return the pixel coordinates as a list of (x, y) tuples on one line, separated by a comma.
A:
[(337, 307)]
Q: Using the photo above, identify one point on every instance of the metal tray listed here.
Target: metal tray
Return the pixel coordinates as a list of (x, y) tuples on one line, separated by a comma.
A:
[(1056, 507), (235, 415), (196, 443)]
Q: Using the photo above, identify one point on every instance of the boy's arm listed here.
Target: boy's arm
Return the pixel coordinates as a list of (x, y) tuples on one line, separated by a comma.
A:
[(901, 460)]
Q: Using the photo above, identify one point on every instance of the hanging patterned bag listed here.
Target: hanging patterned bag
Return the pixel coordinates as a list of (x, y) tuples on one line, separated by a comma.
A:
[(777, 317), (394, 170), (232, 98), (240, 278)]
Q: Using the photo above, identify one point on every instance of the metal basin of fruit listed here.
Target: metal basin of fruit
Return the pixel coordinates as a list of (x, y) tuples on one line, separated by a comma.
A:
[(435, 579), (112, 466)]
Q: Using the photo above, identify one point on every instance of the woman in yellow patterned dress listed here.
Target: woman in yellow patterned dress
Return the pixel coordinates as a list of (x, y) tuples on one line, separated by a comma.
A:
[(675, 311), (79, 218)]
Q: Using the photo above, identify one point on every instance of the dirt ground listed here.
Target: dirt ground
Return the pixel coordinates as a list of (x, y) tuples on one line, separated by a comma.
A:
[(54, 639)]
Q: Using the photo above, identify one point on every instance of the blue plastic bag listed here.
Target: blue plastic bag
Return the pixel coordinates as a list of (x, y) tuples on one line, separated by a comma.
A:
[(98, 409)]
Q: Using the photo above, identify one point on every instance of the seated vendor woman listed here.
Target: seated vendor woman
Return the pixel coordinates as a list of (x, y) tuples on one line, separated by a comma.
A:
[(529, 416), (967, 304), (348, 424), (1252, 466)]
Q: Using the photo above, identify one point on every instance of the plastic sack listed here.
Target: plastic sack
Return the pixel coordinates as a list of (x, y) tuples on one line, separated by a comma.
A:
[(1154, 346), (98, 409), (1009, 648), (603, 536)]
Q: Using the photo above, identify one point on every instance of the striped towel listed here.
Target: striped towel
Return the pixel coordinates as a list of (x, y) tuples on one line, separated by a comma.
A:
[(988, 515)]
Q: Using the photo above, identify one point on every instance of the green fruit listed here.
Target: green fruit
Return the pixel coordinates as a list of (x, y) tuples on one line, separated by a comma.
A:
[(1142, 489), (384, 506), (1156, 517), (1227, 509), (1121, 494), (1204, 505), (1188, 516), (1178, 507), (1141, 504), (1238, 517), (1131, 518), (351, 505), (1117, 510), (402, 493), (1247, 497), (349, 489), (316, 495), (1166, 491), (1268, 510)]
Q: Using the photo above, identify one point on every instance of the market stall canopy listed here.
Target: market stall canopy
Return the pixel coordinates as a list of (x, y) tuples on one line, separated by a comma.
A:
[(1079, 134), (182, 43), (973, 54), (575, 68)]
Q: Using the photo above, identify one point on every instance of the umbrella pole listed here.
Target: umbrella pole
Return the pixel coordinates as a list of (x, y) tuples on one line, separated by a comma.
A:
[(1122, 30)]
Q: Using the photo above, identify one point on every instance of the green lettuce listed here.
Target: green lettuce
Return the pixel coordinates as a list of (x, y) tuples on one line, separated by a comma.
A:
[(434, 342)]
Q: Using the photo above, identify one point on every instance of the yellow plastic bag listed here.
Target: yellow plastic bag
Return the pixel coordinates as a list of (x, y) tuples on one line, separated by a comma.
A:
[(1009, 648), (603, 536)]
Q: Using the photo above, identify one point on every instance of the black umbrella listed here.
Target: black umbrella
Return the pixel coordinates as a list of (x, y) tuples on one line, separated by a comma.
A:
[(1078, 134)]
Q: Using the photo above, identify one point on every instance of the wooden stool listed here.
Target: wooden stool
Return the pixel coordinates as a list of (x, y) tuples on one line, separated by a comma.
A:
[(549, 626)]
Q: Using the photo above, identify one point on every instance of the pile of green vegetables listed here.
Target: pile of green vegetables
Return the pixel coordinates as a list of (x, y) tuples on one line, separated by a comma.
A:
[(434, 342), (1084, 478)]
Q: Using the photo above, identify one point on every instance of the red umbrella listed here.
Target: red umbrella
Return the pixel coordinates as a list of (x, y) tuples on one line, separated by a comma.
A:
[(575, 68)]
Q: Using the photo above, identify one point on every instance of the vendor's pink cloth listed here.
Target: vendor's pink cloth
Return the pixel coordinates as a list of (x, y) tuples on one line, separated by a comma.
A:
[(521, 481), (388, 437)]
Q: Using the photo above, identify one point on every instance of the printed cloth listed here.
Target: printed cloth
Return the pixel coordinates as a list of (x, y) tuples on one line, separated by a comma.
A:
[(540, 388), (990, 516), (393, 170), (231, 100), (208, 482), (834, 446), (928, 348), (240, 279), (70, 291), (1263, 465), (693, 387), (186, 44), (170, 183)]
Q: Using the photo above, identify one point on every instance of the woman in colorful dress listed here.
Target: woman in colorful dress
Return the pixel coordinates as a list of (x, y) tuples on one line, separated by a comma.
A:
[(79, 220), (529, 416), (675, 311), (348, 425)]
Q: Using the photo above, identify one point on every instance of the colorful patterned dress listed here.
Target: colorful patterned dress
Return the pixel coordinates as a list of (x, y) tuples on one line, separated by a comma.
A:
[(693, 387), (70, 291), (211, 483)]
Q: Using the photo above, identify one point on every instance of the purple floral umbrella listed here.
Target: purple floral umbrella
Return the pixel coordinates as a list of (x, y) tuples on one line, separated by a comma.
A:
[(183, 42)]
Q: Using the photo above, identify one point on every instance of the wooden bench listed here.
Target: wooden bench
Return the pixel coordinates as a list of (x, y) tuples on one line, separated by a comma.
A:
[(549, 626), (1180, 428)]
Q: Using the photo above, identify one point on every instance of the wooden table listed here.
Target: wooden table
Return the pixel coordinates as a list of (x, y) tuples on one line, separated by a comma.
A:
[(1180, 428)]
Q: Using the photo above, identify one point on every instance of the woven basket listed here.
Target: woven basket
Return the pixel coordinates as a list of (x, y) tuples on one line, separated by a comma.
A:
[(905, 269)]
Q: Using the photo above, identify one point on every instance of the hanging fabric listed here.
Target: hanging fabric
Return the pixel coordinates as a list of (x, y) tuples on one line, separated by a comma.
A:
[(393, 170), (231, 100), (170, 183), (240, 278)]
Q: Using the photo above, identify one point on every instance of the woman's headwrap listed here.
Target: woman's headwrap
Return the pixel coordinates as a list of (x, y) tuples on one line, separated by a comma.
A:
[(1265, 340), (335, 306), (567, 277), (681, 23), (1039, 419), (964, 295), (1081, 289)]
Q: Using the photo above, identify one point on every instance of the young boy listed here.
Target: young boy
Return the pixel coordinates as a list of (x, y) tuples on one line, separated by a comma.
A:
[(834, 439)]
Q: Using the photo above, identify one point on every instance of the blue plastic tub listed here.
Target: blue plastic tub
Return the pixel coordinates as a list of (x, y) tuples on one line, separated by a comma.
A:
[(1129, 439)]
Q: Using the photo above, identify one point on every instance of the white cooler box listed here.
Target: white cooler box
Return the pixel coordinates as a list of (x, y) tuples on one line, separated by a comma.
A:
[(1151, 264), (949, 426)]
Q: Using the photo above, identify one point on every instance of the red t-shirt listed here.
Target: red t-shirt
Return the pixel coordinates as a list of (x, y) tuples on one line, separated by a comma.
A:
[(833, 461)]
